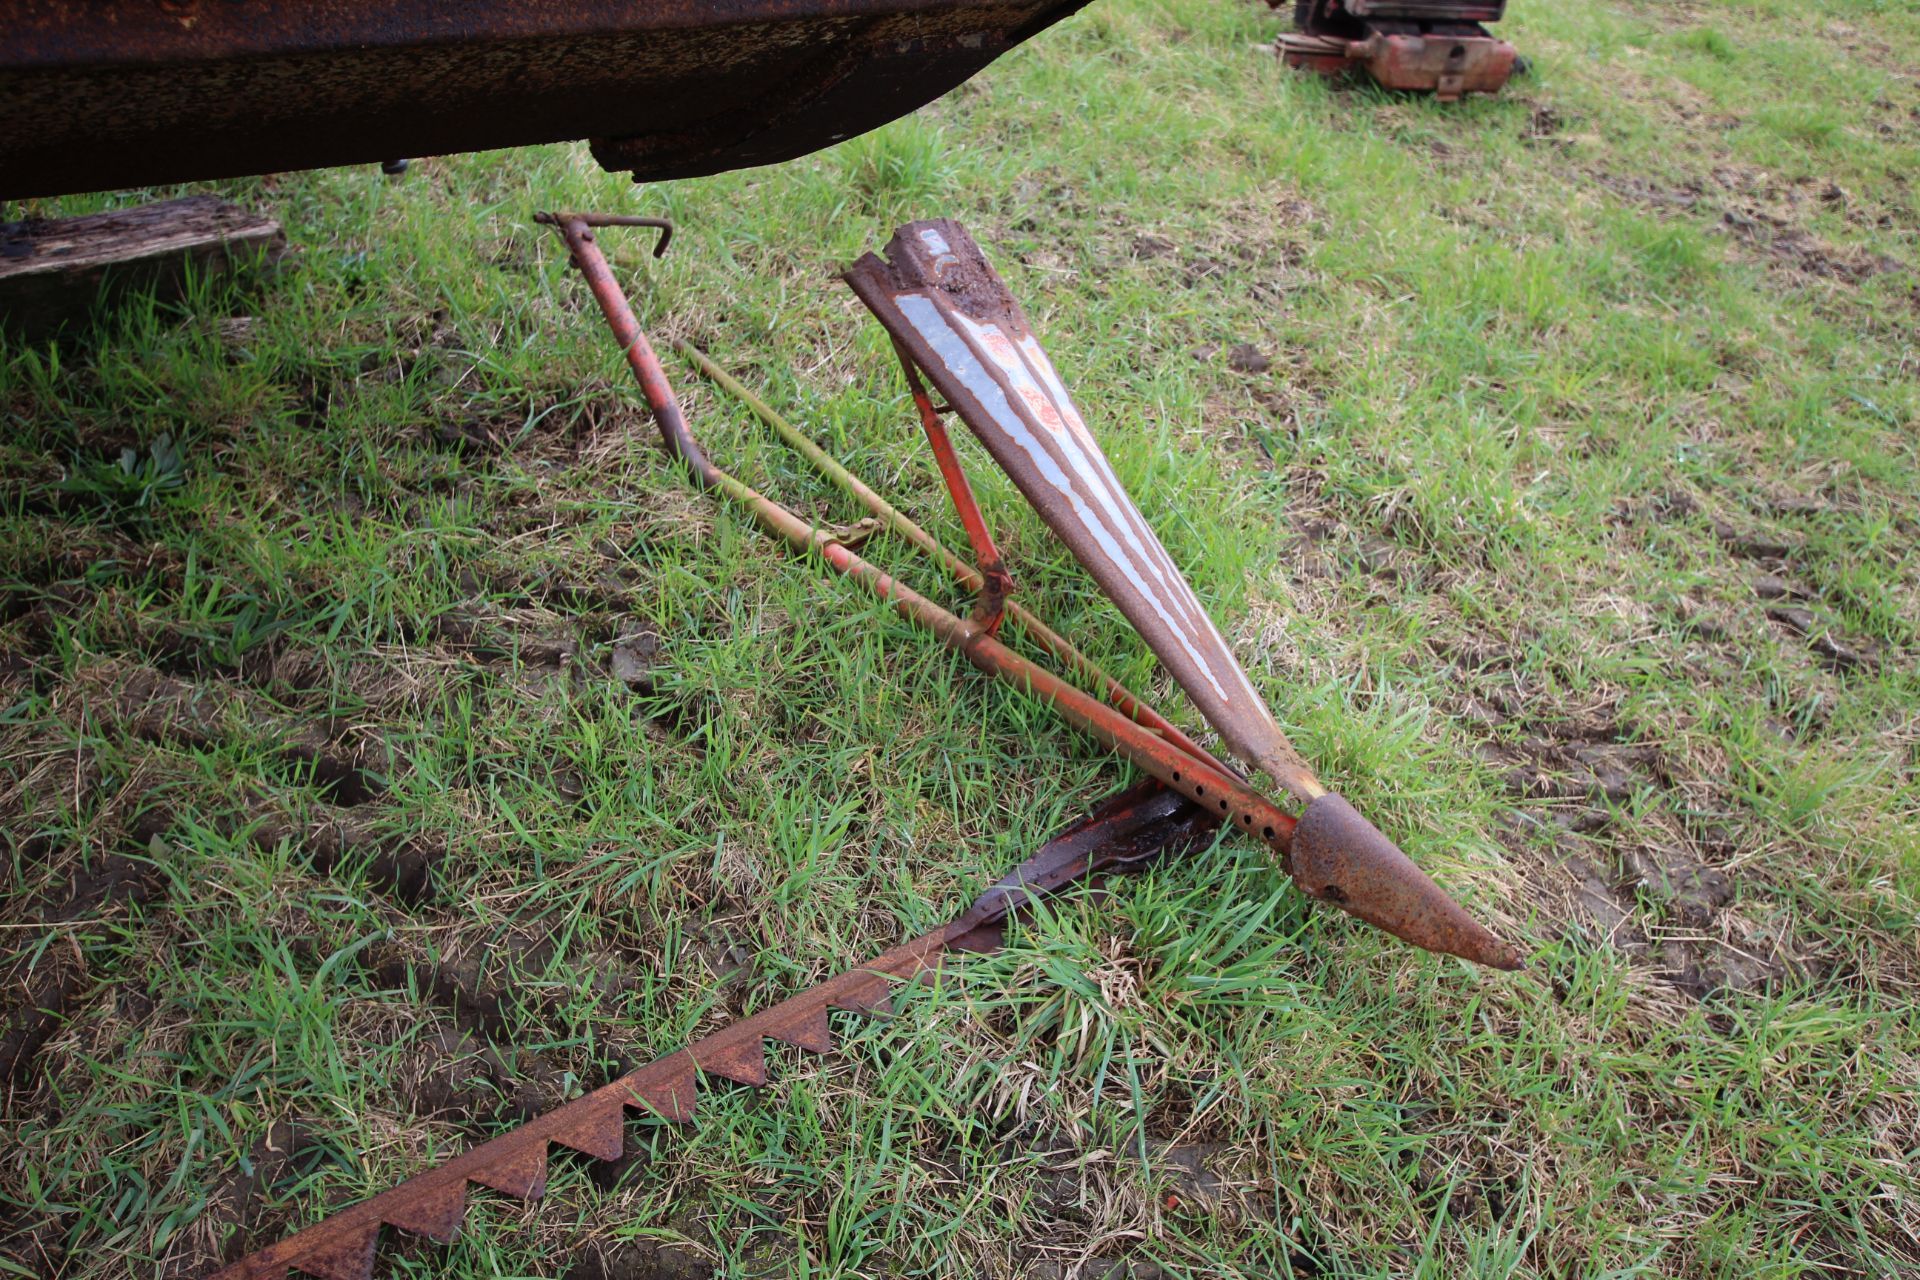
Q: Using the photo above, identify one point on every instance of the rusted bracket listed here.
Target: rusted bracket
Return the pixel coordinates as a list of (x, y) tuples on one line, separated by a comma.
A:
[(1126, 829)]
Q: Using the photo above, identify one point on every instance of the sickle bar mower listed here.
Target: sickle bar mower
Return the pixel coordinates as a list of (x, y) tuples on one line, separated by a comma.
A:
[(952, 317), (954, 322)]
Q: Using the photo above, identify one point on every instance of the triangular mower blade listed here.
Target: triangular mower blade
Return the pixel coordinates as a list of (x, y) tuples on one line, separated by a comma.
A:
[(520, 1173), (742, 1063), (595, 1126), (435, 1213), (671, 1097), (811, 1031), (343, 1257)]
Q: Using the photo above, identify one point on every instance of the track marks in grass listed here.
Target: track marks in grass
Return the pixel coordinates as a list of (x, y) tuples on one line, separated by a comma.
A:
[(491, 1003), (1630, 862)]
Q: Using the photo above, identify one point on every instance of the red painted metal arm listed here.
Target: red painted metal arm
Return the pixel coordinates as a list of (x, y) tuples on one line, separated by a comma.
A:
[(997, 583)]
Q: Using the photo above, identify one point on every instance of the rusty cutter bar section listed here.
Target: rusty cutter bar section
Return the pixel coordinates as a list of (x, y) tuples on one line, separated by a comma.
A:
[(1345, 861), (1126, 829)]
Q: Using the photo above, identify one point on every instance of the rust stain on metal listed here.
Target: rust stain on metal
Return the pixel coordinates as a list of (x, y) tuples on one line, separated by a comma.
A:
[(1126, 829), (99, 94), (1340, 857)]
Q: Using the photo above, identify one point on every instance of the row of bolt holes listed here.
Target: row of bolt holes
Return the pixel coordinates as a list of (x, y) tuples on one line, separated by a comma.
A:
[(1247, 819)]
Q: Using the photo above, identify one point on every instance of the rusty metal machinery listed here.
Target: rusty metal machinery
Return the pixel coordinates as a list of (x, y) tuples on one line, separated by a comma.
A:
[(1332, 853), (953, 319), (1126, 830), (1431, 46), (101, 94)]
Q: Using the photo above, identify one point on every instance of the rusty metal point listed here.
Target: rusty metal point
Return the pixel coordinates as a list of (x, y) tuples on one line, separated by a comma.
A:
[(1340, 857)]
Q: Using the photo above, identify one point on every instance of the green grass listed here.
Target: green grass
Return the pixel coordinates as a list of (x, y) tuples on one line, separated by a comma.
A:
[(1542, 365)]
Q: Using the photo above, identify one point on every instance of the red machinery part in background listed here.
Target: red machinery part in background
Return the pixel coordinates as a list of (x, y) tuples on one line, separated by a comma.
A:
[(1425, 46)]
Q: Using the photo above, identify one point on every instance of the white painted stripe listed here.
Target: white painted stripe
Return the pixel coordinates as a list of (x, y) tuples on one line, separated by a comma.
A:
[(960, 358), (1093, 471), (1037, 356), (1092, 461)]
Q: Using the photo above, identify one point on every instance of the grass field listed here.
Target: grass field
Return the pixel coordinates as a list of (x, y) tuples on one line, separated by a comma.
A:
[(394, 744)]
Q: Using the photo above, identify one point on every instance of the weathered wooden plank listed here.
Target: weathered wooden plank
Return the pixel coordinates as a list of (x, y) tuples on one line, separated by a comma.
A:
[(53, 270)]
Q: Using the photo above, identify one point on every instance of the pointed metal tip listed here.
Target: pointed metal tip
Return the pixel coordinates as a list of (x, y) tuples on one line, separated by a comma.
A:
[(1340, 857)]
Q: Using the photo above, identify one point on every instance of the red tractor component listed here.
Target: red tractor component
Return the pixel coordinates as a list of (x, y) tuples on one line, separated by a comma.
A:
[(1422, 46)]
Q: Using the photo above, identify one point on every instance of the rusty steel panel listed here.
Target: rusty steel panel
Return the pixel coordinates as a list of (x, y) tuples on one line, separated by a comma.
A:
[(1127, 829), (938, 297), (1428, 10), (99, 94)]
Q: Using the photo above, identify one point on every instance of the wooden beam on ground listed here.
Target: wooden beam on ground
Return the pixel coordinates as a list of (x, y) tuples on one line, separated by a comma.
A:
[(54, 270)]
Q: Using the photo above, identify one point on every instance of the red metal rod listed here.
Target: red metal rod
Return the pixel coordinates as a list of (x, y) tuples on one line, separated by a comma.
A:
[(998, 583), (1350, 864)]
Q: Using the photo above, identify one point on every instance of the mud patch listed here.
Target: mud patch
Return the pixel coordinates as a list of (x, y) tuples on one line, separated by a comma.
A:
[(330, 839), (1795, 247), (159, 708), (1766, 216), (464, 1063), (490, 986), (529, 636), (1620, 869), (1827, 643), (42, 986), (1663, 903)]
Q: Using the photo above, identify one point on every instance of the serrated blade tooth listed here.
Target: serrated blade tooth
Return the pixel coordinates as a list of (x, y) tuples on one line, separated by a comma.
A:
[(594, 1125), (744, 1062), (435, 1214), (521, 1173), (671, 1096), (811, 1030), (346, 1256)]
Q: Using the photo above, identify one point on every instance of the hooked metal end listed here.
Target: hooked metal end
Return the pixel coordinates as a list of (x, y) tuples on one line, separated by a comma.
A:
[(1340, 857)]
